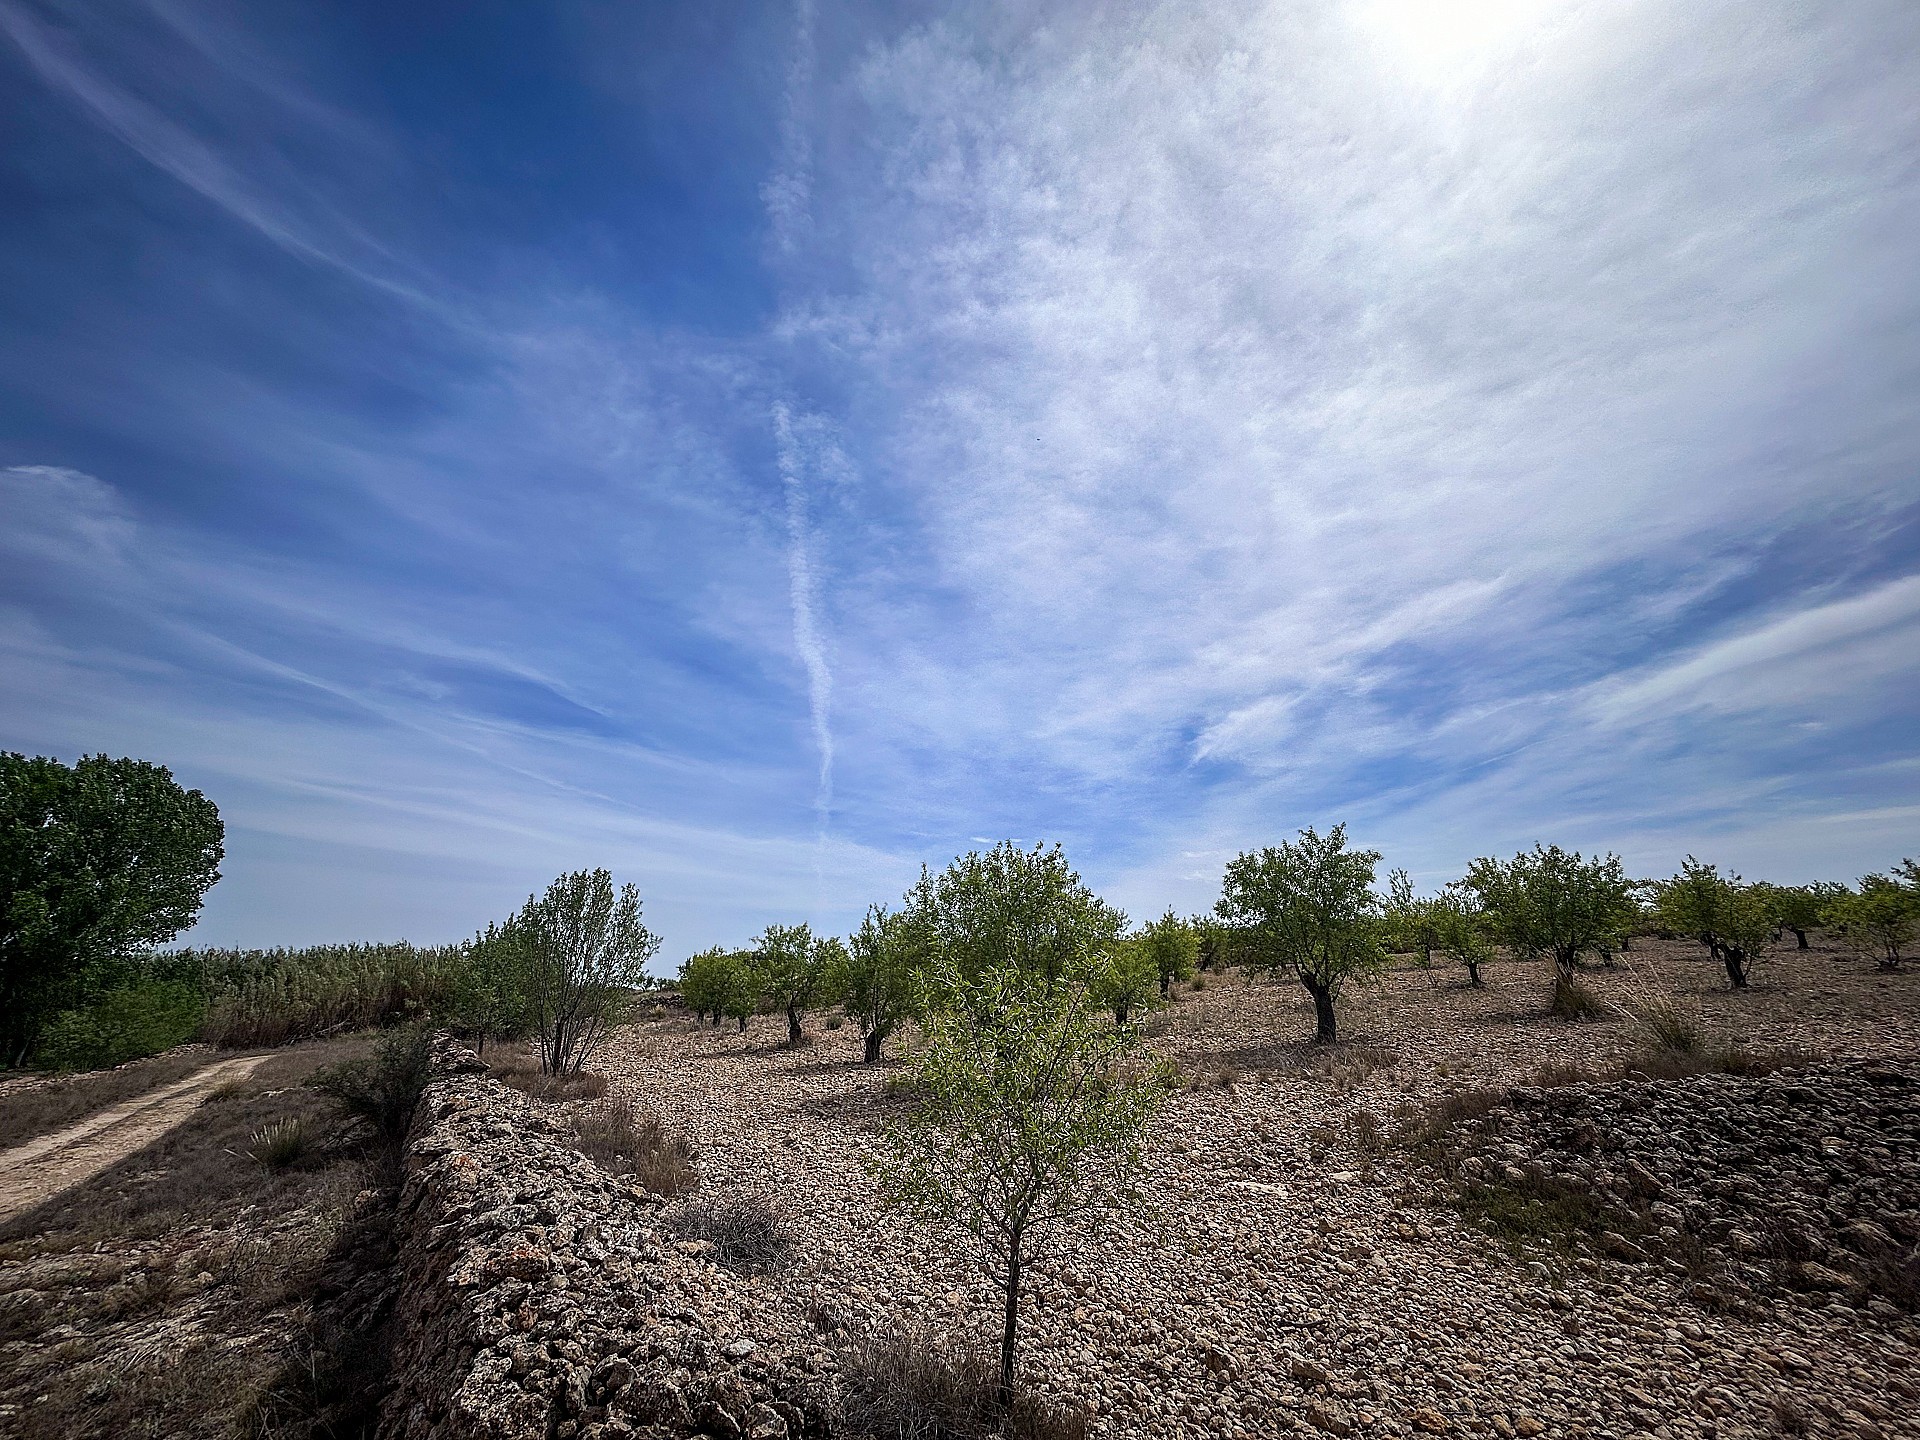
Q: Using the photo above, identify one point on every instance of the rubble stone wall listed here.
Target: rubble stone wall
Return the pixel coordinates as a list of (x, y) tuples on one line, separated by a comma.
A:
[(542, 1298)]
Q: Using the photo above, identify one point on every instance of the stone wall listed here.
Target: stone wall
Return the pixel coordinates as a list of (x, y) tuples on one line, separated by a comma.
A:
[(542, 1298)]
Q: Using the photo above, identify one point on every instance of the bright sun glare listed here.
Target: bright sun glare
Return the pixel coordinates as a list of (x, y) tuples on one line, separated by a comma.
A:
[(1440, 38)]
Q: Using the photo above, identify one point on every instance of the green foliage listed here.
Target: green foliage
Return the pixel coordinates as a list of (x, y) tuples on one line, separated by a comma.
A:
[(1174, 947), (1411, 925), (1462, 930), (1733, 920), (487, 995), (1306, 907), (876, 982), (1127, 981), (793, 968), (382, 1088), (127, 1023), (705, 980), (1029, 1119), (1881, 917), (1797, 908), (586, 954), (274, 997), (1555, 902), (1008, 906), (98, 860), (282, 1143)]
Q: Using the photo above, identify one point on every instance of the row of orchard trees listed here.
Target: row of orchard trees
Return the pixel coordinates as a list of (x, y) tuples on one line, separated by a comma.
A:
[(1030, 1107)]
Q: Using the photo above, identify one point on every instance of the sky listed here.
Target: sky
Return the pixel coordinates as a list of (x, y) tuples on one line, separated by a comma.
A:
[(763, 449)]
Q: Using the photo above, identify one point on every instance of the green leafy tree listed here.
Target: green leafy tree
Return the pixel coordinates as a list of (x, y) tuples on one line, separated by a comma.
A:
[(1798, 908), (876, 983), (1881, 916), (1175, 950), (1126, 981), (1306, 907), (1462, 930), (1555, 902), (98, 861), (704, 980), (794, 966), (487, 993), (1733, 920), (1027, 908), (587, 953), (1210, 937), (1028, 1120), (1411, 925)]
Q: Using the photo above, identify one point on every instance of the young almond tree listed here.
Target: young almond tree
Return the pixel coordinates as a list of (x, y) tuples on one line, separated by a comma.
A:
[(1798, 908), (1555, 902), (1174, 947), (586, 953), (1734, 921), (877, 977), (1027, 1125), (1461, 929), (703, 983), (794, 966), (1306, 907), (1881, 918), (1126, 980)]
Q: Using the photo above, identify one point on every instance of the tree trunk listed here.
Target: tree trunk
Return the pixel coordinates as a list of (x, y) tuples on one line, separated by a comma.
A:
[(1009, 1332), (874, 1037), (743, 1024), (1736, 964), (1323, 1023), (1799, 937), (1626, 942), (1166, 986), (1473, 973), (793, 1026), (1120, 1013)]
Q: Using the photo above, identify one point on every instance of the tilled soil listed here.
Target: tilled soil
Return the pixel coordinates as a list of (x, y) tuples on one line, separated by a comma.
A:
[(1285, 1270)]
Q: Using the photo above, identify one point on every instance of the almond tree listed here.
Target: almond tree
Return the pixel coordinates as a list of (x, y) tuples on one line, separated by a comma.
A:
[(793, 967), (1306, 907), (877, 977), (1462, 930), (1127, 981), (586, 953), (1027, 1123), (1733, 920), (1174, 947), (1555, 902)]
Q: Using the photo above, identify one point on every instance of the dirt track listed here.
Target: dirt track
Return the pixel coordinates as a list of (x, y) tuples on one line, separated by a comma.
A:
[(43, 1167)]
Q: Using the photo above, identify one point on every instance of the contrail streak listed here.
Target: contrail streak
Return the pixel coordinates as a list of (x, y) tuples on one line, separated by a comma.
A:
[(803, 591)]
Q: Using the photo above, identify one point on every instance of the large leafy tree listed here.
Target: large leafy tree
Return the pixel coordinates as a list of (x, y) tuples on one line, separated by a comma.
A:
[(1798, 908), (876, 982), (1733, 920), (1027, 1125), (794, 967), (98, 861), (1555, 902), (586, 953), (1009, 906), (1306, 907), (1127, 981)]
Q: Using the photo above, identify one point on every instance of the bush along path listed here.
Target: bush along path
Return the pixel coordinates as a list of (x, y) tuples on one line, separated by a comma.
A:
[(43, 1167)]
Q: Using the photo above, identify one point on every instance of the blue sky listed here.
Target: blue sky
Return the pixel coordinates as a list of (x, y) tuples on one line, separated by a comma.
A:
[(761, 449)]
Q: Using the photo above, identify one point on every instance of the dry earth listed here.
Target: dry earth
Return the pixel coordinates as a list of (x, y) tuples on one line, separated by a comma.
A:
[(43, 1167), (1276, 1277)]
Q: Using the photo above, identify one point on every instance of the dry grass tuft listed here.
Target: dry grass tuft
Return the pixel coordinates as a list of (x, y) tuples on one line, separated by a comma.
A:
[(747, 1233), (906, 1386), (635, 1143), (522, 1071)]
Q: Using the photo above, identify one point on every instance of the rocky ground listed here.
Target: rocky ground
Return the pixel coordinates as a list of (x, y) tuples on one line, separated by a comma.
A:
[(1287, 1270)]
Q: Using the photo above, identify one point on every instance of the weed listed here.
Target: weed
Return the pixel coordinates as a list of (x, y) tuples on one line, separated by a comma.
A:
[(1364, 1130), (522, 1071), (746, 1232), (280, 1144), (1199, 982), (638, 1145), (909, 1386), (1575, 1001), (1533, 1208), (1344, 1066), (383, 1088)]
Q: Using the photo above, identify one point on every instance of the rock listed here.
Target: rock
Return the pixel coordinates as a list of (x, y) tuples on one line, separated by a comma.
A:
[(1428, 1422), (1329, 1420), (1525, 1425)]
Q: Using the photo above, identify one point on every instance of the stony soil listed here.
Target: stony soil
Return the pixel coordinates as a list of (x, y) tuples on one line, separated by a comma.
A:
[(1284, 1271)]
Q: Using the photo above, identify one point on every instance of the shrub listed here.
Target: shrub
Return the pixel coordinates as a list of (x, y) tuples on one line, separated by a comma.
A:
[(637, 1144), (383, 1088), (280, 1144), (1574, 1001), (908, 1386), (522, 1071), (1667, 1025), (129, 1023), (746, 1232)]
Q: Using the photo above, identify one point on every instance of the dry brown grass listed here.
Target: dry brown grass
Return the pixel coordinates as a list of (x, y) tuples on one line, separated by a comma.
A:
[(906, 1386), (521, 1070), (635, 1143)]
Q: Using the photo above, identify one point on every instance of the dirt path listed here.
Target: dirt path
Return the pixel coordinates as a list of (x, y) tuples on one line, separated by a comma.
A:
[(42, 1168)]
